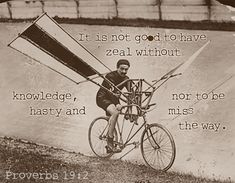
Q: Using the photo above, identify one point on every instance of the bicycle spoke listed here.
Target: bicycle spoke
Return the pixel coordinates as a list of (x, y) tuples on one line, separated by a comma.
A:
[(166, 151), (151, 155), (97, 145), (161, 138), (166, 155), (100, 132), (167, 142), (157, 157), (161, 160), (154, 158), (149, 150)]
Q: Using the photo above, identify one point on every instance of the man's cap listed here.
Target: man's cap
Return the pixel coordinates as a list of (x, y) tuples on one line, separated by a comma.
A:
[(123, 61)]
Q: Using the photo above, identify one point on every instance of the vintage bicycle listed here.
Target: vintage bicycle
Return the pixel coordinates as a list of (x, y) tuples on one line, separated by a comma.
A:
[(156, 143)]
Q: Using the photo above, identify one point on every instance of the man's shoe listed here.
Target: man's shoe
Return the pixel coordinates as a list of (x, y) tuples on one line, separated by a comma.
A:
[(110, 147)]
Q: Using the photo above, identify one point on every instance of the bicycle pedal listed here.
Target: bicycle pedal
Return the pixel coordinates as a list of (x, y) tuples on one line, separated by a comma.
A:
[(134, 121), (112, 150), (117, 150), (108, 150)]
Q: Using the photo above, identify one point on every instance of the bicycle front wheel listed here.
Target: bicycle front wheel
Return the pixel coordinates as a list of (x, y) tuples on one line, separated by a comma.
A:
[(158, 147), (97, 136)]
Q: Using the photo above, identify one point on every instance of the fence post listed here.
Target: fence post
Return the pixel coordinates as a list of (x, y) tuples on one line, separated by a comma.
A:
[(159, 3), (208, 4), (116, 7), (43, 4), (77, 7), (9, 9)]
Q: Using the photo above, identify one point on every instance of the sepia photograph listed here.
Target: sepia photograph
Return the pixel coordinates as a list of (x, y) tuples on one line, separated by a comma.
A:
[(117, 91)]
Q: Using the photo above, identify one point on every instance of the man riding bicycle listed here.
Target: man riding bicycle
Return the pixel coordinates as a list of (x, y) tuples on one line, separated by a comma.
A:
[(110, 102)]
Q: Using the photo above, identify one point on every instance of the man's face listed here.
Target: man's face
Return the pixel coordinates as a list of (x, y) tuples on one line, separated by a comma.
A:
[(122, 70)]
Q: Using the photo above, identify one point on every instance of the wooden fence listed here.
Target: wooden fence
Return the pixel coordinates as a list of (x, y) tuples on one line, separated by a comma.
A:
[(192, 10)]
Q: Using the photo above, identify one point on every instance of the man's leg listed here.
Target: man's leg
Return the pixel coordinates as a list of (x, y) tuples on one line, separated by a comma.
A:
[(112, 122), (112, 110)]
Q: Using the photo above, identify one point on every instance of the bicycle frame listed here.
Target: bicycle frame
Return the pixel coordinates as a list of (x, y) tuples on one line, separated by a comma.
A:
[(129, 138), (138, 97), (137, 102)]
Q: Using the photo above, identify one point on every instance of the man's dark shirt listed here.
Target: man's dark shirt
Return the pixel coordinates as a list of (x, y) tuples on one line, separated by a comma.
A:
[(105, 98)]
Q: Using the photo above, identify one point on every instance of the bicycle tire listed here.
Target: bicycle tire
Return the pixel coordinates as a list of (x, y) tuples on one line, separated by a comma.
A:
[(101, 138), (156, 143)]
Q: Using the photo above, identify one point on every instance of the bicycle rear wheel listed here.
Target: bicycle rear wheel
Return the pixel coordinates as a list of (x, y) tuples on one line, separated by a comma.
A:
[(97, 136), (158, 147)]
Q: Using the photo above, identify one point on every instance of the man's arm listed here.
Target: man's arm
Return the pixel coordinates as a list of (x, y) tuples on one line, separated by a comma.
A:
[(128, 85)]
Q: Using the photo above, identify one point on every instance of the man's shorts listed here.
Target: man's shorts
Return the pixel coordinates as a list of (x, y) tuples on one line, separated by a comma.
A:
[(103, 103)]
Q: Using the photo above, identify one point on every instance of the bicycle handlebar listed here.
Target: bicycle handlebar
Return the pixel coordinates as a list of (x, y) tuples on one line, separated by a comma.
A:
[(142, 109)]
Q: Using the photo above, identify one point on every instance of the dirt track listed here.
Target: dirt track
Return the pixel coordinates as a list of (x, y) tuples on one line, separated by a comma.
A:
[(29, 162), (205, 153)]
